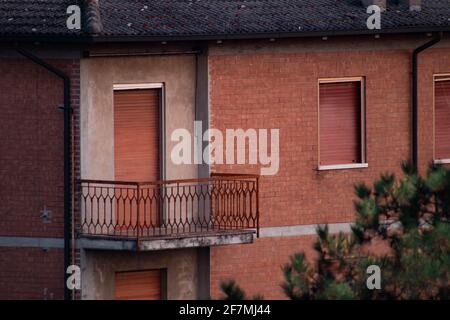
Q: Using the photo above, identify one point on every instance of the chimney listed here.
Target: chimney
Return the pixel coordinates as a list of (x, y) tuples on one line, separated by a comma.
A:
[(380, 3), (414, 5), (92, 19)]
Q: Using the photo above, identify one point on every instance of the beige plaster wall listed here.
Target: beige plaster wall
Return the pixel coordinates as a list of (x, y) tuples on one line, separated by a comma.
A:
[(98, 76), (98, 271)]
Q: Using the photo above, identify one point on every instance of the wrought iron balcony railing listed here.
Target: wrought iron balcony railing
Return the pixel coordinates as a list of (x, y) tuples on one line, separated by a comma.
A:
[(220, 203)]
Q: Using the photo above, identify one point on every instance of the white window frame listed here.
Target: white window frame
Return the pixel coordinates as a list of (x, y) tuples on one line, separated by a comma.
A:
[(134, 86), (363, 163)]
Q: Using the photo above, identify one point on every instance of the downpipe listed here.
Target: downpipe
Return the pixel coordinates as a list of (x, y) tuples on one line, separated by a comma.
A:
[(67, 155)]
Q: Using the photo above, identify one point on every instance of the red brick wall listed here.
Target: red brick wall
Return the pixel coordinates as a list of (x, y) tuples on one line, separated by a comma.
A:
[(257, 267), (279, 90), (31, 173), (31, 273), (76, 162), (31, 148), (433, 61)]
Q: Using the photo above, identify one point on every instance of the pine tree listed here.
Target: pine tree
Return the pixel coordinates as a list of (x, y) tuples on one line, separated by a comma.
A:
[(411, 215), (232, 291)]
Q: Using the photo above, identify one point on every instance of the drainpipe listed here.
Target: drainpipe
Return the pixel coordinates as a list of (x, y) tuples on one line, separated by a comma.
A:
[(436, 38), (67, 162)]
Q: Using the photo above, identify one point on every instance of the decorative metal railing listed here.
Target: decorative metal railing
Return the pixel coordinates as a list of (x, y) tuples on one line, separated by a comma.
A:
[(169, 208)]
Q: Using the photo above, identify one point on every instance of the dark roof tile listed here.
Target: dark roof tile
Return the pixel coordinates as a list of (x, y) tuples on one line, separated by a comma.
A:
[(35, 17), (202, 18), (234, 17)]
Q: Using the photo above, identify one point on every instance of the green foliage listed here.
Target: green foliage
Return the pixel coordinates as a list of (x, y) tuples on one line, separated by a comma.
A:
[(296, 273), (328, 278), (410, 215), (337, 291), (232, 291)]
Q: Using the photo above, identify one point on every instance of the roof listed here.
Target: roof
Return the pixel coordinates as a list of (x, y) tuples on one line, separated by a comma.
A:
[(35, 17), (203, 19)]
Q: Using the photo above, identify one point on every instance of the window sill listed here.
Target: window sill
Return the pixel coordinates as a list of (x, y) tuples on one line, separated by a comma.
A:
[(441, 161), (343, 166)]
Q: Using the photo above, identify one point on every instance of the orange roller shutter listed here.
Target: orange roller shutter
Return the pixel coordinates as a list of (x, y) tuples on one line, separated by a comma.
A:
[(136, 135), (138, 285), (340, 123), (442, 120), (136, 151)]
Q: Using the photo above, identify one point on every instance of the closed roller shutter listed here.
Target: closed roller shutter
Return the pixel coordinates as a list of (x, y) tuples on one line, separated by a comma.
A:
[(340, 123), (442, 120), (136, 135), (136, 152), (138, 285)]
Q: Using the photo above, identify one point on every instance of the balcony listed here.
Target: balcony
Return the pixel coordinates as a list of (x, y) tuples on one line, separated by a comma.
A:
[(220, 210)]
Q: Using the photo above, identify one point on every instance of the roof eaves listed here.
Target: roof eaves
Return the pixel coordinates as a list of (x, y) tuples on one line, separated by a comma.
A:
[(99, 38)]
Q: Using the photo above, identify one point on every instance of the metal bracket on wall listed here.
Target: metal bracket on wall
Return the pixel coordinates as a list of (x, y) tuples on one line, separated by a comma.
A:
[(46, 215), (61, 108)]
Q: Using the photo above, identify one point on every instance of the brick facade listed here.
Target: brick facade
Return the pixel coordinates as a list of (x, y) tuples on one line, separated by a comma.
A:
[(434, 61), (247, 90), (279, 90), (31, 171), (31, 273), (257, 267)]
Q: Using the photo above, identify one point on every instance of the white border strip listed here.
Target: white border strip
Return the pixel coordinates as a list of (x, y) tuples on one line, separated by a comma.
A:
[(133, 86), (301, 230), (442, 161), (264, 232), (344, 166)]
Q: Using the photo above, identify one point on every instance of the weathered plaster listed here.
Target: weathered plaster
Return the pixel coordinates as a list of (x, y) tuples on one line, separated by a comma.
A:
[(98, 75), (165, 243), (226, 238), (98, 272)]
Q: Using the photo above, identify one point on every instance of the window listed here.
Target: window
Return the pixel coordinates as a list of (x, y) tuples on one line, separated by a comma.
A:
[(136, 145), (141, 285), (442, 119), (341, 124)]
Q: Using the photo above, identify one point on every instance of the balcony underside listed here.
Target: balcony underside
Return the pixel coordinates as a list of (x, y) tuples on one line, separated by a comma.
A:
[(202, 238)]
